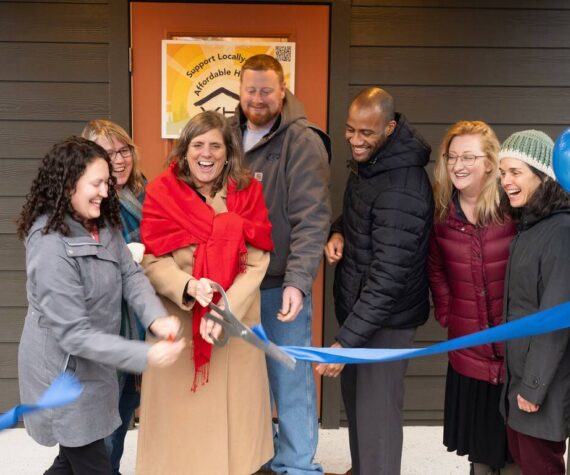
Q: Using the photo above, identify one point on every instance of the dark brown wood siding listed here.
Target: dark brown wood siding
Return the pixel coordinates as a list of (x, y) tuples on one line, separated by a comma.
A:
[(58, 70), (504, 62)]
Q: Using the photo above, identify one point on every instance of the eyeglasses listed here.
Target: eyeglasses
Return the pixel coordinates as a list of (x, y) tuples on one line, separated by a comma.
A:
[(124, 152), (468, 159)]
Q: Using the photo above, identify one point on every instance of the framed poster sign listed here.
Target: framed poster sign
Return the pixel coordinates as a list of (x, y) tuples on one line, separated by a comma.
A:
[(199, 75)]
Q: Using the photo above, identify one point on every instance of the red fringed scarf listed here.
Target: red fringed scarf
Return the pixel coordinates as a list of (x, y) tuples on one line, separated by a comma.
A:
[(174, 216)]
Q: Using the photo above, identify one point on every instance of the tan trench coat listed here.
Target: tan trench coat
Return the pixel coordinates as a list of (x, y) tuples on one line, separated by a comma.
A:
[(225, 426)]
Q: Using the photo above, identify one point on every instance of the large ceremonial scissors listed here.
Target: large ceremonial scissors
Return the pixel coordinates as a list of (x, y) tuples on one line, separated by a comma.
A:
[(235, 328)]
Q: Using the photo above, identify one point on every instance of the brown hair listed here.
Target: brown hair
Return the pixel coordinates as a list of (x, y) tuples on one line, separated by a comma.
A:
[(198, 125), (263, 62), (55, 183), (487, 210), (98, 128)]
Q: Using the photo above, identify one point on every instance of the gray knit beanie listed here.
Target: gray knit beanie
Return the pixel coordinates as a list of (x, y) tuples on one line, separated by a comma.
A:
[(532, 147)]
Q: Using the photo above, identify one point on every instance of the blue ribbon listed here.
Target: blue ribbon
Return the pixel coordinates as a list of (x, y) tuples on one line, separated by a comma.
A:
[(63, 390), (66, 388), (553, 319)]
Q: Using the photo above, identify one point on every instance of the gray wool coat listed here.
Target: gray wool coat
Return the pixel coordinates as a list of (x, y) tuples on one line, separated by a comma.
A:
[(74, 290), (538, 367)]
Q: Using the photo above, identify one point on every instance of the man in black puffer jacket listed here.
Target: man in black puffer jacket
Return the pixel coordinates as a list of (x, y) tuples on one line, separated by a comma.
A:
[(381, 288)]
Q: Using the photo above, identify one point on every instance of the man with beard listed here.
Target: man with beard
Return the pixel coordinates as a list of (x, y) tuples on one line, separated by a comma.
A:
[(380, 243), (290, 158)]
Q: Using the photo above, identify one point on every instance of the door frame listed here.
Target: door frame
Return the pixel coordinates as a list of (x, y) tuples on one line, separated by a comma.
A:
[(338, 100)]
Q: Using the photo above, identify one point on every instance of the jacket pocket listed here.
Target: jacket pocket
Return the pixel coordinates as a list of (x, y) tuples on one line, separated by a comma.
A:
[(54, 358), (70, 365)]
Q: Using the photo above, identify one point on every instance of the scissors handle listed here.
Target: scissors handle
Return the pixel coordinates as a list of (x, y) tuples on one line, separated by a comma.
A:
[(222, 292), (175, 337), (225, 336)]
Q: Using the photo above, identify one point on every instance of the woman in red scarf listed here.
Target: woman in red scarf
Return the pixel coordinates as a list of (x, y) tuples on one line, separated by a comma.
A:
[(205, 218)]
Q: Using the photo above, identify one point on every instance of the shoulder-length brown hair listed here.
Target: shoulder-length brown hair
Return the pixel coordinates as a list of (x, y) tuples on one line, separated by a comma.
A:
[(102, 128), (233, 169), (55, 183), (487, 209)]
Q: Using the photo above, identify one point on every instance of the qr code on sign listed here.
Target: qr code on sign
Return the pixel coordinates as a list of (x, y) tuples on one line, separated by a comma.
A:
[(283, 53)]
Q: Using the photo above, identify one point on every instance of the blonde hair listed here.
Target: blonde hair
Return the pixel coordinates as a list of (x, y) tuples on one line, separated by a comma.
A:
[(95, 129), (487, 209)]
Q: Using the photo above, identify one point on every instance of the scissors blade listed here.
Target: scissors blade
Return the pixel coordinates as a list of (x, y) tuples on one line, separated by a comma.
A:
[(269, 348), (273, 351), (241, 330)]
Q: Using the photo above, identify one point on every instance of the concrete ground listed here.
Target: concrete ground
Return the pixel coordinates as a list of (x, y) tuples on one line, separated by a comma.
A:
[(423, 453)]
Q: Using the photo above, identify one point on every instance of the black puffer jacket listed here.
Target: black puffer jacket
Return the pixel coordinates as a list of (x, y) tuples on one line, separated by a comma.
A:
[(381, 281)]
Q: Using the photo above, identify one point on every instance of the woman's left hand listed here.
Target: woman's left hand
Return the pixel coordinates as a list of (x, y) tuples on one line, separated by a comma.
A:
[(166, 328), (332, 370), (526, 406)]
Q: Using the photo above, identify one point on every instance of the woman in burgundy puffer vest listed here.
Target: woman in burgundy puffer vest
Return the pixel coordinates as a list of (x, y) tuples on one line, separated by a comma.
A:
[(469, 251)]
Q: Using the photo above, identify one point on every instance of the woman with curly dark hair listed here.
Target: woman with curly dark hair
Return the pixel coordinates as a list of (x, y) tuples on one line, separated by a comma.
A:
[(129, 184), (78, 269), (535, 400)]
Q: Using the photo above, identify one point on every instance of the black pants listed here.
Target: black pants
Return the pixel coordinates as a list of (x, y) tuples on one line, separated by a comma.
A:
[(373, 396), (91, 459), (129, 400)]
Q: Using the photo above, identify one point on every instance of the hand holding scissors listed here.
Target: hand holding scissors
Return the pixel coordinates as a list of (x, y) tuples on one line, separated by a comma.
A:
[(233, 327), (203, 292), (210, 330)]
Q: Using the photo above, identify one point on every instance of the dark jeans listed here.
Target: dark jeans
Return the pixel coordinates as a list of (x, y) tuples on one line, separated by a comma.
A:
[(128, 402), (536, 456), (373, 396), (91, 459)]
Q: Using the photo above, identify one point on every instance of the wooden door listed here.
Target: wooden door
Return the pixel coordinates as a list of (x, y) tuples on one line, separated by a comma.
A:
[(306, 25)]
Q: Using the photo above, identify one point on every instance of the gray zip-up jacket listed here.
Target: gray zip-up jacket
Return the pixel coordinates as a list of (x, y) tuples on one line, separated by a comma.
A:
[(74, 288), (292, 163)]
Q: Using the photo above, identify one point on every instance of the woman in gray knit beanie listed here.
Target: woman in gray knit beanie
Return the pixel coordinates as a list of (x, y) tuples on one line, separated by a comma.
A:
[(535, 395)]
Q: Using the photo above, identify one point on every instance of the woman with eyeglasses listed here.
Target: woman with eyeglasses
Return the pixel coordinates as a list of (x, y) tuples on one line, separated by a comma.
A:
[(468, 256), (129, 185)]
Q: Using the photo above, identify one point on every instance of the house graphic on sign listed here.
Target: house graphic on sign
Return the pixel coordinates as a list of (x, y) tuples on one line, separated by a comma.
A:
[(221, 100)]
